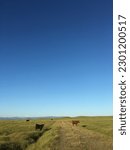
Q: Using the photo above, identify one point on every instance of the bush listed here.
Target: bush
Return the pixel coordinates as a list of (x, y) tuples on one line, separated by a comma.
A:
[(11, 146), (84, 126)]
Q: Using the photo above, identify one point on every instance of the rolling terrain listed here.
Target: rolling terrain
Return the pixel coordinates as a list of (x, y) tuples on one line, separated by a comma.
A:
[(92, 133)]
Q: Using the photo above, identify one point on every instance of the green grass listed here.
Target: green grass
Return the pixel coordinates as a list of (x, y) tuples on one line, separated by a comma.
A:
[(98, 124), (92, 133), (18, 134), (47, 141)]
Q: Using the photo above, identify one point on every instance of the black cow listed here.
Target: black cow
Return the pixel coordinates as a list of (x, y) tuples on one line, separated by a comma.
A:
[(39, 126), (27, 120)]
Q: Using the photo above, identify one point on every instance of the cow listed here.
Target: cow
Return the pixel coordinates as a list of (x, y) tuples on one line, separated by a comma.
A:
[(75, 122), (39, 126), (27, 120)]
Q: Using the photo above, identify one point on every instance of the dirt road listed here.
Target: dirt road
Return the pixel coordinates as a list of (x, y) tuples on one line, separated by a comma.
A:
[(77, 138)]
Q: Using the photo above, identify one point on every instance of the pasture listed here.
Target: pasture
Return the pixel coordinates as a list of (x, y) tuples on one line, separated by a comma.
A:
[(92, 133)]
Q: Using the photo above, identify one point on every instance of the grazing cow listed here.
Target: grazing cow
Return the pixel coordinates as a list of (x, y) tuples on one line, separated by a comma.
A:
[(27, 120), (75, 122), (39, 126)]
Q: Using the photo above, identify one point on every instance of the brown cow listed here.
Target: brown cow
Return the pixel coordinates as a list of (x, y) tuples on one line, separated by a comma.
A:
[(39, 126), (75, 122)]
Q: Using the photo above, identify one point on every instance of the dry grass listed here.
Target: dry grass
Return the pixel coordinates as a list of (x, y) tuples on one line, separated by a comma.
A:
[(18, 134), (93, 133), (79, 138)]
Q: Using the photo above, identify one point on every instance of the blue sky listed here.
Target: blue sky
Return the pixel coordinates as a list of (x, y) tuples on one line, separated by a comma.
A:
[(55, 57)]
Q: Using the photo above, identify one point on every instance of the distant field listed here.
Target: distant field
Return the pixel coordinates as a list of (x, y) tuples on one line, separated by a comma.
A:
[(92, 133)]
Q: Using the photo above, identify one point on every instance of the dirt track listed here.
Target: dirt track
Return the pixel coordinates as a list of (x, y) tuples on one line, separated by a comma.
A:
[(77, 138)]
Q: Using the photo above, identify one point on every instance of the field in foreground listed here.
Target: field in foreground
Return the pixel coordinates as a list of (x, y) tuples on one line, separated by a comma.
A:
[(92, 133)]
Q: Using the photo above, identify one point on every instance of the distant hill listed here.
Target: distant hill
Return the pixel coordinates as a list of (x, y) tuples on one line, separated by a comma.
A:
[(22, 118)]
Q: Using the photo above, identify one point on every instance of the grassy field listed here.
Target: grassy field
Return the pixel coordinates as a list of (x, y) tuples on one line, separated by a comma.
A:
[(92, 133)]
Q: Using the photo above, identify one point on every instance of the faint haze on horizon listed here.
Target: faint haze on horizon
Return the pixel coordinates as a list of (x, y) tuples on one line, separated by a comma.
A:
[(47, 117), (55, 58)]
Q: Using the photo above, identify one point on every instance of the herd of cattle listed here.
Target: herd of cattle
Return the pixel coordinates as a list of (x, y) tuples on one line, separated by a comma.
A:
[(40, 126)]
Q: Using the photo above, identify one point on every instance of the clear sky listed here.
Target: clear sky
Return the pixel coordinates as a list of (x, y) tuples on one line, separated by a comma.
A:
[(55, 57)]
